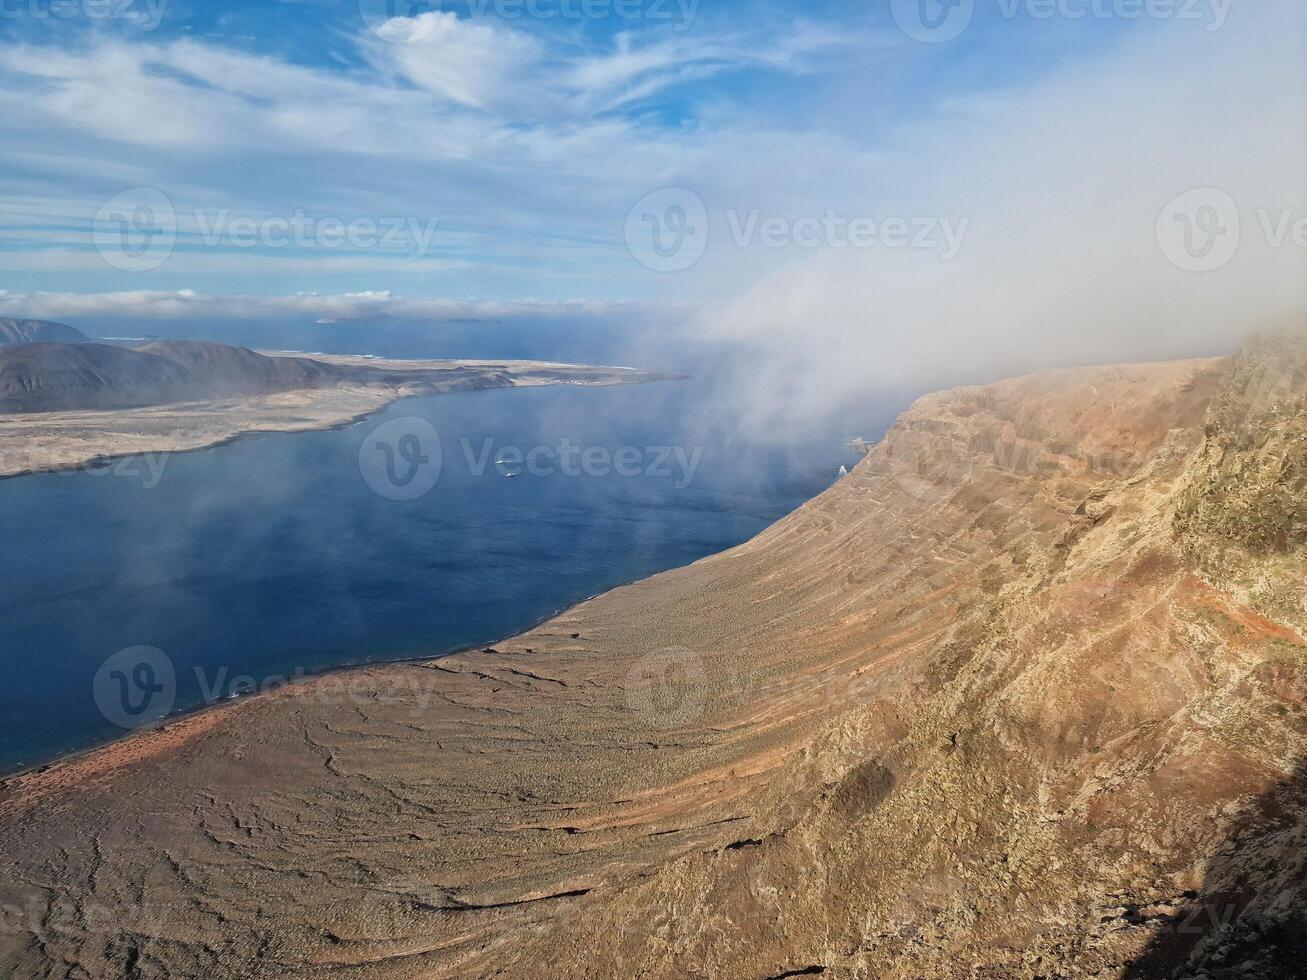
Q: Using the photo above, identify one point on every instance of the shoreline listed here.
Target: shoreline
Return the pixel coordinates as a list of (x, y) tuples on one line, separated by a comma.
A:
[(72, 755), (7, 777), (180, 715), (698, 741), (268, 413), (99, 462)]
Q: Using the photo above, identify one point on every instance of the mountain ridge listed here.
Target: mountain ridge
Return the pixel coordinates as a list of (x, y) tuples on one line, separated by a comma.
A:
[(17, 331), (46, 377)]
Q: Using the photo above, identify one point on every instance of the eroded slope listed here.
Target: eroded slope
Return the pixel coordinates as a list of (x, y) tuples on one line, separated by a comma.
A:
[(988, 704)]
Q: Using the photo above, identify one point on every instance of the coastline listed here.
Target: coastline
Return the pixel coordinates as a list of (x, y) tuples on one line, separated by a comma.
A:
[(70, 441), (654, 748), (101, 461), (637, 376), (178, 716), (522, 374)]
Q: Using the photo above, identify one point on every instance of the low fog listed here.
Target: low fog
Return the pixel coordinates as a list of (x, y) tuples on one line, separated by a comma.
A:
[(1065, 188)]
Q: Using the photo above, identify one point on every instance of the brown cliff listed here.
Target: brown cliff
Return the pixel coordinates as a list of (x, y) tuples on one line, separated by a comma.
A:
[(1023, 695)]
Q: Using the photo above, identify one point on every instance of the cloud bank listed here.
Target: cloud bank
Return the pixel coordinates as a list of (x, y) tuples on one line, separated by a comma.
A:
[(1061, 157), (1074, 252), (155, 304)]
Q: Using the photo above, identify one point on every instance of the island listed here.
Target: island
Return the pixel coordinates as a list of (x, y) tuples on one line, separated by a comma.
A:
[(72, 402)]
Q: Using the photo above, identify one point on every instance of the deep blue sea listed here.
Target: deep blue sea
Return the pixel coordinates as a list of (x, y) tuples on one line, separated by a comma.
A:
[(279, 554)]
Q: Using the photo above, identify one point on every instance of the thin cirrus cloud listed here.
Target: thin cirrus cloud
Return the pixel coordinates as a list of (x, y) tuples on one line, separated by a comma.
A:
[(529, 148), (508, 138), (493, 67), (193, 93)]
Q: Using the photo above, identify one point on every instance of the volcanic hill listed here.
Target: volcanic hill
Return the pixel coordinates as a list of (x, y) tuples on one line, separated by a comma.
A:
[(39, 332)]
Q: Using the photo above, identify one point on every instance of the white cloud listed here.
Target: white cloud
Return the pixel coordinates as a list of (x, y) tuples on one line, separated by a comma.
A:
[(473, 64), (511, 141), (151, 304), (1063, 185), (505, 141)]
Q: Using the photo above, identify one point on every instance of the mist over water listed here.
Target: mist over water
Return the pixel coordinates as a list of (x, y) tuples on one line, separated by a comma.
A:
[(272, 556)]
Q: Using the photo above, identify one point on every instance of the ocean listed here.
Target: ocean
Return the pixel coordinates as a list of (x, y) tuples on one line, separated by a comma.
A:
[(438, 524)]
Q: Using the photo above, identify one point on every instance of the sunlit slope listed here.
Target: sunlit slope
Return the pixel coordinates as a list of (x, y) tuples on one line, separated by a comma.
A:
[(996, 701)]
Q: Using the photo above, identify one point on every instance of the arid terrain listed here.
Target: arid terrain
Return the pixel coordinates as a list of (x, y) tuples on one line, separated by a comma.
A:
[(1023, 695), (265, 391)]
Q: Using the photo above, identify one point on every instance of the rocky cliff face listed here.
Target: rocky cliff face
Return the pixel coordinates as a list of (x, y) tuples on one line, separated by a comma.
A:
[(1023, 695)]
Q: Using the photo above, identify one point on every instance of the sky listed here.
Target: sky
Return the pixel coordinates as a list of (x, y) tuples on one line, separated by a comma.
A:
[(862, 188)]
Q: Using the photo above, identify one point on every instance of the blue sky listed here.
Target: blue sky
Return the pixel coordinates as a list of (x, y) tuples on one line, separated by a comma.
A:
[(480, 154)]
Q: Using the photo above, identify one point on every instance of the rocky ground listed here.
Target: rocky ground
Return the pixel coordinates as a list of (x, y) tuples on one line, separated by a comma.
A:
[(1024, 695)]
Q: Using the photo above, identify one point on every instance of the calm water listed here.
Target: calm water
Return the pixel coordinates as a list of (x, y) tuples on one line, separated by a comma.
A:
[(275, 554)]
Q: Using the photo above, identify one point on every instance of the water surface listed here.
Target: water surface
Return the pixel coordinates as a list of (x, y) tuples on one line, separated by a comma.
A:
[(273, 555)]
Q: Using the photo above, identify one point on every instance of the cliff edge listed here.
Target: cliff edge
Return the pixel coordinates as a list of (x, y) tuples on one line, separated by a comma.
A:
[(1023, 695)]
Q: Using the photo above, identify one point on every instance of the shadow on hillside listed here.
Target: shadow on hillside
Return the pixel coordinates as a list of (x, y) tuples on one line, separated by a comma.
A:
[(1250, 918)]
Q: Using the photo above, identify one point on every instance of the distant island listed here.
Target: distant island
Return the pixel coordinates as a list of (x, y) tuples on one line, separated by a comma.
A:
[(69, 401)]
